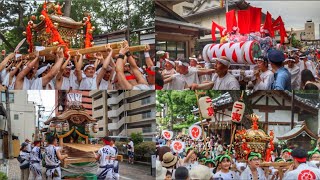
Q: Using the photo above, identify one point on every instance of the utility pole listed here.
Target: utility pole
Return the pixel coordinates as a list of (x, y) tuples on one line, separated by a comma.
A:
[(9, 124), (128, 21), (292, 110)]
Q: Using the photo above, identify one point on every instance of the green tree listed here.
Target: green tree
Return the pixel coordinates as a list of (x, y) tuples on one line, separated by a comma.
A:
[(137, 138)]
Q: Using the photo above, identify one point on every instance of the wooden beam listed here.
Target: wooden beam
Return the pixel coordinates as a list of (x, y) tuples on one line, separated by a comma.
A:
[(276, 100), (258, 100)]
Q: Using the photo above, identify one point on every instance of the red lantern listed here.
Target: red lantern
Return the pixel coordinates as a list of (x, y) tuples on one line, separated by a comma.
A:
[(237, 111), (206, 107)]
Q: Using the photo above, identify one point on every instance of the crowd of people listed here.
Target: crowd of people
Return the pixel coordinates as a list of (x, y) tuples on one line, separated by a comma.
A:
[(211, 159), (102, 73), (277, 70), (33, 158)]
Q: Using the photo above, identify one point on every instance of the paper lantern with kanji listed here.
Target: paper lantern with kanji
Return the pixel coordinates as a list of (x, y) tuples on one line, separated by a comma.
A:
[(237, 111), (59, 128), (206, 107), (52, 127), (95, 127), (167, 134), (65, 127), (177, 146), (195, 132)]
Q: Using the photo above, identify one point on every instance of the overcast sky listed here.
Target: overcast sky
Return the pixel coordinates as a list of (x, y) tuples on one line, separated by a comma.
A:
[(293, 13), (45, 98)]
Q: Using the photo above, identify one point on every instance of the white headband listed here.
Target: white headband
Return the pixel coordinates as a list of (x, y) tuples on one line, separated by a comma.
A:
[(224, 61), (171, 62), (88, 65), (42, 69), (182, 63)]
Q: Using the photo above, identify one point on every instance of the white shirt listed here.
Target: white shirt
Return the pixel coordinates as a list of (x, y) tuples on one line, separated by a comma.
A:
[(6, 82), (37, 85), (51, 157), (103, 84), (303, 170), (178, 83), (141, 87), (228, 82), (132, 147), (247, 174), (192, 76), (295, 77), (88, 83), (25, 155), (3, 74), (35, 154), (107, 155), (27, 83), (226, 176), (267, 79)]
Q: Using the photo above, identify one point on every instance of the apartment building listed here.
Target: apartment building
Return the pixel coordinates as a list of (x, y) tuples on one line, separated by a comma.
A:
[(124, 112)]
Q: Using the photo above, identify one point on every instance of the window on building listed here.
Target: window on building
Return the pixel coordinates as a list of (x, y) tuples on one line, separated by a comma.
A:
[(146, 115), (11, 97), (175, 49), (146, 100), (100, 128), (309, 27), (16, 116)]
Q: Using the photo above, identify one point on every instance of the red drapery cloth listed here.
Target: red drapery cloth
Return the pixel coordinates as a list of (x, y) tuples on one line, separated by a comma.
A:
[(213, 30), (244, 21), (231, 20), (255, 19)]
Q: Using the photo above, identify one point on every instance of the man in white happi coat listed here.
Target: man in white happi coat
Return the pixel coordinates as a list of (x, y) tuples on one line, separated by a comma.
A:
[(35, 160), (264, 77), (295, 73), (299, 170), (107, 160)]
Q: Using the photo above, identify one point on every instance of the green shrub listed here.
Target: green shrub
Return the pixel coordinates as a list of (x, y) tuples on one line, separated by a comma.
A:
[(145, 149), (137, 138), (3, 176), (121, 149)]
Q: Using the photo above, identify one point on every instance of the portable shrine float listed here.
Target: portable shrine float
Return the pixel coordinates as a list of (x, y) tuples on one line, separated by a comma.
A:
[(52, 30), (73, 128)]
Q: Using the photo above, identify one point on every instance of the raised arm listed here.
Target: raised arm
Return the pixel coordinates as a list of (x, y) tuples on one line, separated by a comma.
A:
[(105, 64), (147, 56), (204, 86), (205, 71), (55, 69), (5, 61), (63, 67), (78, 64), (123, 82), (20, 77)]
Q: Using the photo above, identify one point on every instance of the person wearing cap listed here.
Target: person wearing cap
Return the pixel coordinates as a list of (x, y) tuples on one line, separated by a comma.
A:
[(299, 169), (314, 158), (24, 158), (224, 162), (210, 163), (25, 78), (253, 170), (286, 154), (282, 77), (170, 162), (264, 77), (200, 172), (222, 79), (46, 74), (53, 158), (193, 62), (35, 159), (140, 83), (168, 71), (294, 71)]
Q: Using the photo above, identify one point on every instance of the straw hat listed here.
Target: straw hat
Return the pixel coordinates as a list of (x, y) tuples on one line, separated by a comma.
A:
[(169, 160), (200, 172)]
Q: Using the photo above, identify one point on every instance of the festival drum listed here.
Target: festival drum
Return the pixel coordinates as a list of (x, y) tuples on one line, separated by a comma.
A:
[(238, 53), (52, 127), (65, 127), (87, 128), (95, 128), (59, 128)]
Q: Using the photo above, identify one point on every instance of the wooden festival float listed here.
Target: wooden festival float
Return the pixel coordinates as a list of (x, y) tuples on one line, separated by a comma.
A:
[(54, 30), (256, 140), (72, 128)]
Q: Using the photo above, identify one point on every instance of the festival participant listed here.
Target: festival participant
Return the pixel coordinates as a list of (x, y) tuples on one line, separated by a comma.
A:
[(107, 160), (104, 73), (53, 158), (151, 69), (25, 78), (299, 169), (225, 172), (190, 161), (5, 65), (181, 173), (171, 163), (210, 164), (294, 70), (9, 80), (253, 171), (168, 72), (286, 154), (46, 74), (160, 171), (35, 160), (193, 62), (264, 77), (282, 76), (24, 158), (28, 142), (222, 79), (307, 64), (140, 83), (308, 81), (66, 78), (314, 158), (130, 146)]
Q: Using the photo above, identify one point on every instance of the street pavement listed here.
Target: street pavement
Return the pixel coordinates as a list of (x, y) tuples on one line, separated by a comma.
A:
[(127, 171)]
